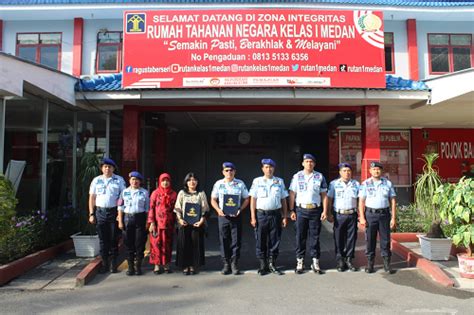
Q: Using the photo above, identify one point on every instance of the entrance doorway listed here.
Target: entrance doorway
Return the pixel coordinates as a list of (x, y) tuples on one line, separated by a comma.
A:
[(201, 142)]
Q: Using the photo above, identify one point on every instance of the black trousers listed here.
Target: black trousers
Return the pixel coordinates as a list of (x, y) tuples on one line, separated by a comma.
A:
[(378, 223), (230, 236), (190, 247), (345, 235), (308, 220), (135, 234), (108, 231), (268, 233)]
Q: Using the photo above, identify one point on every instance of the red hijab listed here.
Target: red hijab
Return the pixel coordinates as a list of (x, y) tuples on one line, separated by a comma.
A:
[(167, 192)]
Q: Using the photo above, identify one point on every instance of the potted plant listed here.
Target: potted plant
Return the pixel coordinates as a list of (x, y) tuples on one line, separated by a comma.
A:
[(86, 242), (456, 204), (434, 245)]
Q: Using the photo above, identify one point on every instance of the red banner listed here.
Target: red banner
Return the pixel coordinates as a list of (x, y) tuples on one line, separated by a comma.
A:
[(253, 47)]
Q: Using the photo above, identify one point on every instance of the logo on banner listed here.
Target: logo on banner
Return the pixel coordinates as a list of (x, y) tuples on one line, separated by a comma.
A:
[(368, 25), (136, 23)]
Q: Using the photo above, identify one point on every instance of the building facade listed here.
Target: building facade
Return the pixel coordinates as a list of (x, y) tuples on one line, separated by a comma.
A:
[(64, 96)]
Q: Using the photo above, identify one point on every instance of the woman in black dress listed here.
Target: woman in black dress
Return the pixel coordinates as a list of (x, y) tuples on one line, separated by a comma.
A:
[(191, 210)]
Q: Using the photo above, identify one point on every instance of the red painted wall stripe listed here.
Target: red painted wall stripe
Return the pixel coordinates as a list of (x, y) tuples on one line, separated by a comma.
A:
[(413, 67), (77, 47), (1, 35), (370, 138)]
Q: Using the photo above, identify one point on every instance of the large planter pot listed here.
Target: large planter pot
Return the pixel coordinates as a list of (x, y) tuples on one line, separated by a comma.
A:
[(86, 245), (435, 248), (466, 266)]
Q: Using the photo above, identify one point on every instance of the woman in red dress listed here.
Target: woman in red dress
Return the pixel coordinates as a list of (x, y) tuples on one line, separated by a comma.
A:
[(162, 223)]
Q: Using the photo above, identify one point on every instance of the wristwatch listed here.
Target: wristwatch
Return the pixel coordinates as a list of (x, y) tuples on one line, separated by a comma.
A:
[(92, 214)]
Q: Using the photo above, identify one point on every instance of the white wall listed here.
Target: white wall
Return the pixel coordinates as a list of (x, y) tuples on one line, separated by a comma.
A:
[(398, 28), (91, 28), (11, 28), (425, 27)]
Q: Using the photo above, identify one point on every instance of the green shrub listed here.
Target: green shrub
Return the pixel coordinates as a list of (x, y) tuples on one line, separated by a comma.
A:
[(410, 219), (21, 236), (8, 202), (24, 235)]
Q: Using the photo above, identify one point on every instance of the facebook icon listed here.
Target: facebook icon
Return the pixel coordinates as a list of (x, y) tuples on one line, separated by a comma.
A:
[(129, 69)]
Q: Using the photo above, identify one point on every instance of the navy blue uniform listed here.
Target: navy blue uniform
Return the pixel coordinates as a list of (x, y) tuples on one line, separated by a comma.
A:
[(230, 228), (344, 195), (107, 192), (268, 193), (377, 196)]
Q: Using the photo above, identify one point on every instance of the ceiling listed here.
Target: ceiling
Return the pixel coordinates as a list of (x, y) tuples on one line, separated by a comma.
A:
[(245, 121)]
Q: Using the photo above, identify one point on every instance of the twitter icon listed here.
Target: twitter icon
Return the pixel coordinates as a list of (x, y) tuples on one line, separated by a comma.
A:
[(295, 67)]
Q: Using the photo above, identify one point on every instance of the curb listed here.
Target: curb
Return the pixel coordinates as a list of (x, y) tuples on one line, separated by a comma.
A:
[(89, 272), (92, 269), (413, 259), (25, 264)]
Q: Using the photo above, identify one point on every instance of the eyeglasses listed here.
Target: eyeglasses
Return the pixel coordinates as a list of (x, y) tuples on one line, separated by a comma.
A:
[(229, 170)]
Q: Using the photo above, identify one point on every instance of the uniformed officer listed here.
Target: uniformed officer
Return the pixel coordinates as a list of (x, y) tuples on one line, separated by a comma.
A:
[(342, 198), (104, 193), (267, 201), (230, 227), (377, 212), (133, 213), (308, 191)]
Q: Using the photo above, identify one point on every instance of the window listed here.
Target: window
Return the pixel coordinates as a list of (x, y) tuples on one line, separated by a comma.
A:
[(43, 48), (389, 53), (449, 52), (109, 52)]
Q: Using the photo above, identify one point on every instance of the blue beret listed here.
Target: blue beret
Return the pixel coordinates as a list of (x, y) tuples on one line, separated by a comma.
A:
[(342, 165), (228, 165), (108, 161), (308, 156), (136, 175), (269, 162), (376, 164)]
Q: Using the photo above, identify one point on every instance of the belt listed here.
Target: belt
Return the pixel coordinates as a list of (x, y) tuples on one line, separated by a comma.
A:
[(268, 212), (348, 211), (308, 206), (106, 209), (380, 210)]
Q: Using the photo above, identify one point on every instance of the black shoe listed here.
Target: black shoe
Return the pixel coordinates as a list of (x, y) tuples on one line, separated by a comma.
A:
[(131, 267), (234, 266), (226, 269), (104, 267), (370, 265), (114, 264), (386, 265), (350, 266), (341, 266), (263, 267), (273, 268), (138, 267)]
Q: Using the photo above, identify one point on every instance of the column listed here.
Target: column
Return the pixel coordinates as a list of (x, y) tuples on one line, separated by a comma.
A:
[(131, 139), (44, 157), (1, 35), (77, 47), (370, 138), (412, 50)]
